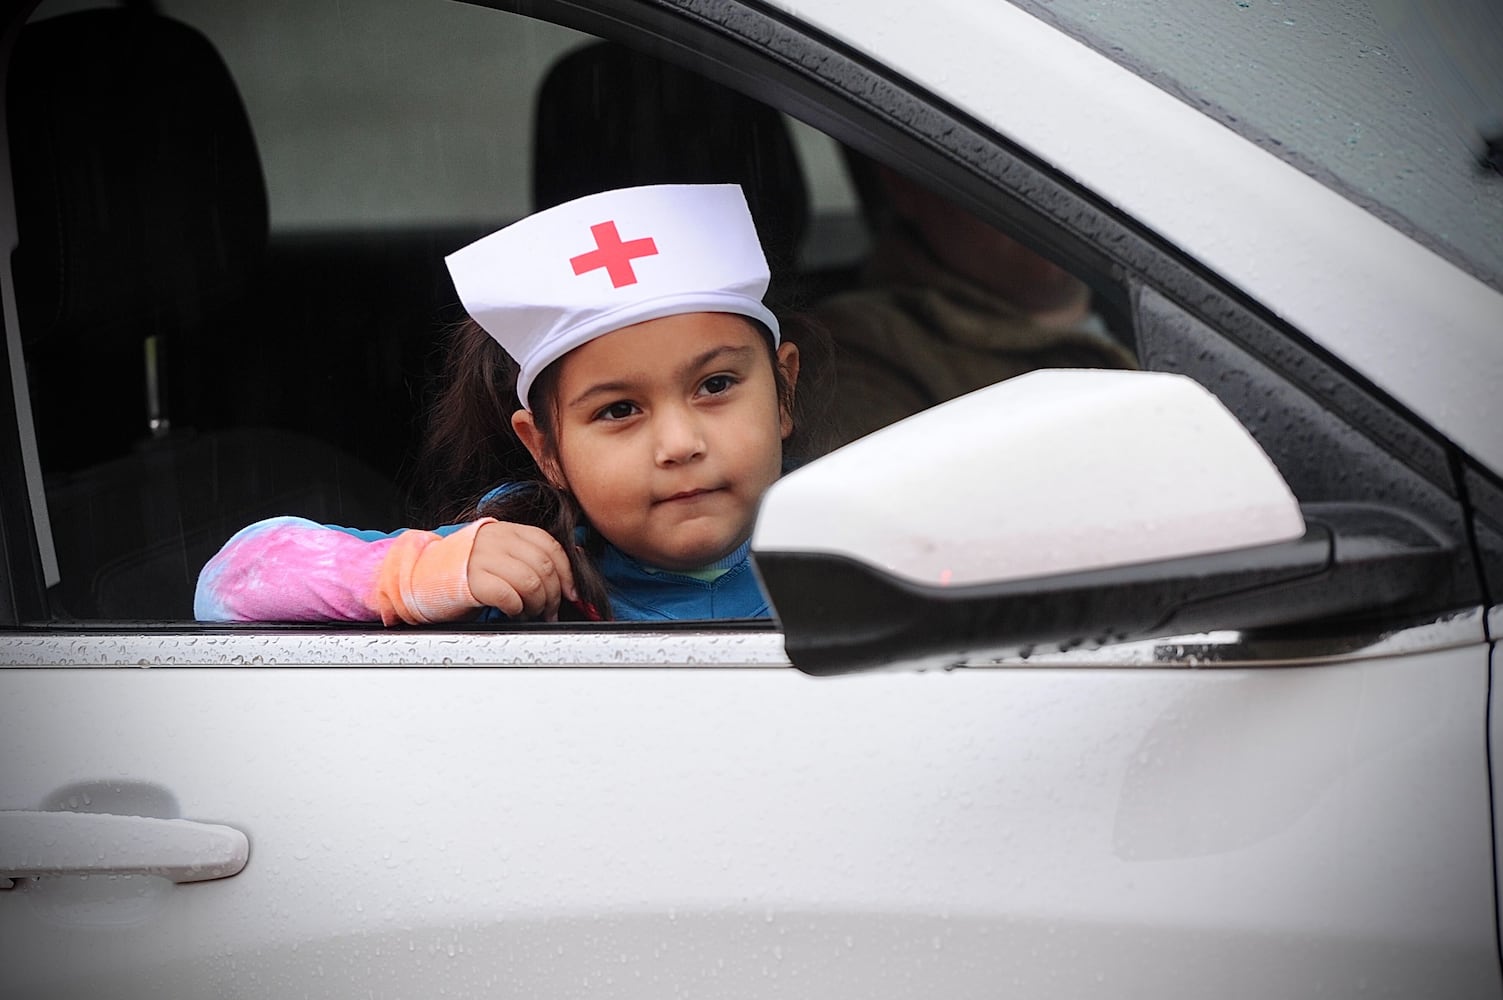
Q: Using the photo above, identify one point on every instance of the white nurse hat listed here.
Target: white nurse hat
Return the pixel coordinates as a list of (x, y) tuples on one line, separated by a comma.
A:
[(560, 278)]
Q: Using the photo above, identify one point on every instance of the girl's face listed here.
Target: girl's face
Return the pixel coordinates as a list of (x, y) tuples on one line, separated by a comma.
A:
[(668, 432)]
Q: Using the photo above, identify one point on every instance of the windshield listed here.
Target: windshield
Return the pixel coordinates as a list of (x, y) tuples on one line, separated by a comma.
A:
[(1389, 102)]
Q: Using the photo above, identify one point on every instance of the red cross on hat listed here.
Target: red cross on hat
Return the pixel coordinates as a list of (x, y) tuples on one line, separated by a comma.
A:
[(613, 255)]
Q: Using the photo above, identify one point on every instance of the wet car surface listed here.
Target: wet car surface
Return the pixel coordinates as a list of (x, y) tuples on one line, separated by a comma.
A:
[(1136, 761)]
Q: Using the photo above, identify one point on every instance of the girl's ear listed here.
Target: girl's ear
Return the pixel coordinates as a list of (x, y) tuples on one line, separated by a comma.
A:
[(788, 362), (537, 445)]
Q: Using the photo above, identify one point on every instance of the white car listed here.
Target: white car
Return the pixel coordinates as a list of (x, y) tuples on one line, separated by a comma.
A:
[(1172, 682)]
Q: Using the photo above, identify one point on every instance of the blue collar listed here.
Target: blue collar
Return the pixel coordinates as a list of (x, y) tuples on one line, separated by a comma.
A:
[(730, 560)]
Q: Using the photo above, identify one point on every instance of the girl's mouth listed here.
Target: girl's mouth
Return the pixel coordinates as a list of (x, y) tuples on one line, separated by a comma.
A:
[(687, 495)]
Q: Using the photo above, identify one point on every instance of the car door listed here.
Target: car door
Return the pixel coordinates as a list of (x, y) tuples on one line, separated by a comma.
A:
[(1286, 800)]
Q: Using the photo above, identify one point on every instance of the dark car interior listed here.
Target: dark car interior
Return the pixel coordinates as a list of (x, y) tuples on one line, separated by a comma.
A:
[(155, 316), (193, 366), (191, 371)]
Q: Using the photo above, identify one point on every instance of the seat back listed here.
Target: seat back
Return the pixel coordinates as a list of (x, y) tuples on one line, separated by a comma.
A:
[(142, 222), (142, 213), (610, 117)]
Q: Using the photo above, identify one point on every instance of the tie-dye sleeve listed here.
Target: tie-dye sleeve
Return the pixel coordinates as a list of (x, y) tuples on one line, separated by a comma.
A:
[(293, 569)]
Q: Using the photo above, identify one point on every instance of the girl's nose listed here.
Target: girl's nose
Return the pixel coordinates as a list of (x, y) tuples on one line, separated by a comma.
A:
[(680, 437)]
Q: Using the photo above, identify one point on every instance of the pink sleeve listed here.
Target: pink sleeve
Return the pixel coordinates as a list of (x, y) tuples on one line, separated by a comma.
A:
[(293, 569)]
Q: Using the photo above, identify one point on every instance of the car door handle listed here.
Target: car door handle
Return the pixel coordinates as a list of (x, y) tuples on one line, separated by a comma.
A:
[(71, 843)]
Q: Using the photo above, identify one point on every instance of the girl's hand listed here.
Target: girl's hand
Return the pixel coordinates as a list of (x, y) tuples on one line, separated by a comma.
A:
[(520, 569)]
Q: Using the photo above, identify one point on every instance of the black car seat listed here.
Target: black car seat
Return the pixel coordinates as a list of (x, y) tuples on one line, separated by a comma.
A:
[(610, 117), (142, 220)]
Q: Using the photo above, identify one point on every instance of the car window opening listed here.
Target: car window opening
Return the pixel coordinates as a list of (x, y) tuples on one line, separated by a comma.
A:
[(272, 353)]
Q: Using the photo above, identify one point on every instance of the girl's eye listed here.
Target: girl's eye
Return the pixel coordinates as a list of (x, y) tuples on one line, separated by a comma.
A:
[(717, 384), (619, 410)]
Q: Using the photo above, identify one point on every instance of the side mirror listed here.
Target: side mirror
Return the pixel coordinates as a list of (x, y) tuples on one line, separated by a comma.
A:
[(1063, 507)]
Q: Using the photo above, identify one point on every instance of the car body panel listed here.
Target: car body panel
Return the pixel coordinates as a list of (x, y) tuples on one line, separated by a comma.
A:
[(758, 832), (1353, 284), (631, 812), (1388, 103)]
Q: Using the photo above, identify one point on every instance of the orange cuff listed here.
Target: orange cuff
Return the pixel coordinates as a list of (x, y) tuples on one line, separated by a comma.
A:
[(425, 578)]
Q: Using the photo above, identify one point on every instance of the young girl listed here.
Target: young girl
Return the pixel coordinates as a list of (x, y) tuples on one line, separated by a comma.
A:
[(622, 339)]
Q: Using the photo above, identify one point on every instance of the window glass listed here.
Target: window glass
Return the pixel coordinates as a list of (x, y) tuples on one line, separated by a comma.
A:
[(393, 114), (257, 328), (385, 114), (1392, 103)]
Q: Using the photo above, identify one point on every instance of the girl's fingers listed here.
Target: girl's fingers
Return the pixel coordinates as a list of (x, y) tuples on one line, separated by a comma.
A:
[(521, 570), (524, 588), (553, 557), (494, 592), (545, 573)]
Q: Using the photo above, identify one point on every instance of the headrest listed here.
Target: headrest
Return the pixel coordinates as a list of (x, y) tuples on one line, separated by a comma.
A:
[(609, 117), (139, 193)]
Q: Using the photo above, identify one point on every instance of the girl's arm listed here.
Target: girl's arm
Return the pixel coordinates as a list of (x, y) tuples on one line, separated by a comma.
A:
[(293, 569)]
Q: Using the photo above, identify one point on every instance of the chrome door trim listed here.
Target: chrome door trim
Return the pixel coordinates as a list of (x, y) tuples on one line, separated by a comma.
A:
[(377, 647), (687, 647)]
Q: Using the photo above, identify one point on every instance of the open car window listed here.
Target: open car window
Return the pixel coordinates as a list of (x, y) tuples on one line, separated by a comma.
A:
[(230, 279), (253, 326), (242, 309)]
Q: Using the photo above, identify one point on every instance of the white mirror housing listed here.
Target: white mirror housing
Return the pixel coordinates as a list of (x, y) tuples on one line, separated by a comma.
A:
[(1051, 472)]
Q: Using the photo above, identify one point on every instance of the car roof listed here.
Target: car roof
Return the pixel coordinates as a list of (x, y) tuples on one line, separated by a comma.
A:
[(1390, 103)]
